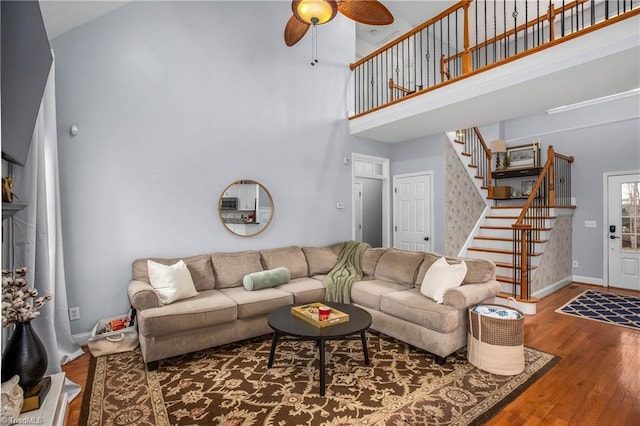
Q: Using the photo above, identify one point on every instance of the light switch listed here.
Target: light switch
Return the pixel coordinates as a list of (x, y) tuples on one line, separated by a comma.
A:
[(339, 205), (590, 224)]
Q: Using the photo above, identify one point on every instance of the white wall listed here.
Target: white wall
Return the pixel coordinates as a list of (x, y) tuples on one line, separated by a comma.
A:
[(174, 101)]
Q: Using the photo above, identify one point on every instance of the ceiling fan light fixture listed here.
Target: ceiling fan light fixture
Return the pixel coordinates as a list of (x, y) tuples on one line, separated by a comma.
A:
[(314, 12)]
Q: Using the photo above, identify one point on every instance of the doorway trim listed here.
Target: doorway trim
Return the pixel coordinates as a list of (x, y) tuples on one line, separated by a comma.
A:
[(431, 221), (386, 190), (605, 220)]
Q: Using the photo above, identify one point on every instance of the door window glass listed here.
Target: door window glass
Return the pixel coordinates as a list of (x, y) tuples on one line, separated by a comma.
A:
[(630, 217)]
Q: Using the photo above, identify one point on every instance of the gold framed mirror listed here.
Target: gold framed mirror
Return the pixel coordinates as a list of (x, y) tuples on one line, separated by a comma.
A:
[(245, 208)]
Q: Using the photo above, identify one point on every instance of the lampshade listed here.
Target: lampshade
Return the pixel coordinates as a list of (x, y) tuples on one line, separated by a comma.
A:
[(314, 12), (499, 145)]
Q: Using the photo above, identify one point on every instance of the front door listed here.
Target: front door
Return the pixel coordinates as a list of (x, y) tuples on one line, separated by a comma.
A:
[(624, 231), (412, 212)]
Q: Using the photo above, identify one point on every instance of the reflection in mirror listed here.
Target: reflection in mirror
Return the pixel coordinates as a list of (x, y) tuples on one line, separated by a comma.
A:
[(245, 208)]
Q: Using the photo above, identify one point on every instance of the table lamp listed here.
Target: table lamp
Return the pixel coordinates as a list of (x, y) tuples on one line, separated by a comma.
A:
[(498, 146)]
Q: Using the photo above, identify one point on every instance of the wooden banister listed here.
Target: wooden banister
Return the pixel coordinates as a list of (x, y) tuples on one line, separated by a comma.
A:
[(395, 86), (415, 30)]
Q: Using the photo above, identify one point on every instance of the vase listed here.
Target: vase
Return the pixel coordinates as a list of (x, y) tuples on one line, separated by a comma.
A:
[(25, 356)]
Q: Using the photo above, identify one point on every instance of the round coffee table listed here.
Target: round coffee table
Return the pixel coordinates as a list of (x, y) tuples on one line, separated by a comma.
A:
[(284, 323)]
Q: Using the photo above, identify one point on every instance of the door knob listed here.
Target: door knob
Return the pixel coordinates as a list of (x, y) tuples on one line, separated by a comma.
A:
[(426, 238), (613, 237)]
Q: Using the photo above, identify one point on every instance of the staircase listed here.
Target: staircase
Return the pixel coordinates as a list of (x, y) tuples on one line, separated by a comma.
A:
[(498, 233)]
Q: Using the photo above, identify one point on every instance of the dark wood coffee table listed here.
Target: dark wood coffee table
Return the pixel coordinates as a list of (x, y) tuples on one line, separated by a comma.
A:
[(284, 323)]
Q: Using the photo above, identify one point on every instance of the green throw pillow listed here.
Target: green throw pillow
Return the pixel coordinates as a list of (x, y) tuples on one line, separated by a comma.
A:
[(266, 279)]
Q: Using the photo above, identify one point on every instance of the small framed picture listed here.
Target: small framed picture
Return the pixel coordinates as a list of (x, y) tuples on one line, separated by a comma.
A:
[(527, 187), (524, 156)]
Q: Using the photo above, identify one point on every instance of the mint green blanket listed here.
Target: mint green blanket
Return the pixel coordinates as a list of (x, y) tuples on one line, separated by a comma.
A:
[(347, 271)]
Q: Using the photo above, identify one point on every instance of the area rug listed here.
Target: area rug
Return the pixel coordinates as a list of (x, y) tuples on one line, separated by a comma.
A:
[(610, 308), (231, 385)]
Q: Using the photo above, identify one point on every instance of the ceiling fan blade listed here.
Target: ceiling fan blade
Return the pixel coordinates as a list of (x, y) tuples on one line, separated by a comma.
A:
[(370, 12), (294, 31)]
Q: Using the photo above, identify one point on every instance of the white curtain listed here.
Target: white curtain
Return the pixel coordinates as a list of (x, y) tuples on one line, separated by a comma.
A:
[(38, 235)]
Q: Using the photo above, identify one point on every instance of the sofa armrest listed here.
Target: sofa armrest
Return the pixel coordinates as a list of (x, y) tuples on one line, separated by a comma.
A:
[(142, 296), (470, 294)]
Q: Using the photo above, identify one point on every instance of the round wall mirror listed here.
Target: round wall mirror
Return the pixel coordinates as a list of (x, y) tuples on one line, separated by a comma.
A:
[(245, 208)]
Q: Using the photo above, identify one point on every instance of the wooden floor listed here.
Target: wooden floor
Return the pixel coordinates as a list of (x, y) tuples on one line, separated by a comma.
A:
[(597, 382)]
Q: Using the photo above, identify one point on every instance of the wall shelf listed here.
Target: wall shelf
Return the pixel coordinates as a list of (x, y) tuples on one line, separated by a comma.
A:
[(10, 209)]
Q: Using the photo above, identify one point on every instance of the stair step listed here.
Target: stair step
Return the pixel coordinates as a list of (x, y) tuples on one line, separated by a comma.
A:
[(508, 280), (473, 166), (457, 141), (479, 177), (480, 237), (505, 295), (509, 265), (466, 154), (509, 228), (498, 251), (515, 217)]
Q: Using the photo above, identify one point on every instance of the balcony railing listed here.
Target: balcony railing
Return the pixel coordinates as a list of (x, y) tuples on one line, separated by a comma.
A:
[(471, 36)]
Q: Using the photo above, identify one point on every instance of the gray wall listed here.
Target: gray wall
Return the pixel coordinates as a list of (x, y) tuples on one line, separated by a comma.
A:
[(174, 101), (372, 211), (602, 138), (425, 154)]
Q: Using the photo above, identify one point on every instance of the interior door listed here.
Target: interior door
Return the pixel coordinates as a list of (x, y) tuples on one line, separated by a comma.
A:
[(624, 231), (412, 212)]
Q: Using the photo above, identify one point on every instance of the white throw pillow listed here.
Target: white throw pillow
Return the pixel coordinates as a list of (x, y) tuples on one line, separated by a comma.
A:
[(440, 277), (172, 282)]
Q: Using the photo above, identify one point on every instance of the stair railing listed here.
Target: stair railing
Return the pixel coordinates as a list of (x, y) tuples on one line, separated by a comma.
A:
[(476, 148), (472, 36), (551, 189)]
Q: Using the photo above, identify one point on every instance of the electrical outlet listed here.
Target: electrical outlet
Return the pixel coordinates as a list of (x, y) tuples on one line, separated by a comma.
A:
[(576, 264), (74, 313)]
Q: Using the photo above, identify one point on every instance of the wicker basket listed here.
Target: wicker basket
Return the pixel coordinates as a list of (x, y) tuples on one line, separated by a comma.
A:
[(496, 344)]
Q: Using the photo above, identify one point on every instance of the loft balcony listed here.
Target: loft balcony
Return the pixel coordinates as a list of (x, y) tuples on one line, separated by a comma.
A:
[(480, 62)]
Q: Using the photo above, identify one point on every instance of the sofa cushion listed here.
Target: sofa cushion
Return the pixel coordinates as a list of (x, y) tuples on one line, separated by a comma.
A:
[(478, 270), (370, 259), (411, 306), (230, 268), (255, 303), (199, 267), (399, 266), (266, 279), (304, 290), (440, 277), (367, 293), (209, 307), (291, 258), (320, 260), (171, 282)]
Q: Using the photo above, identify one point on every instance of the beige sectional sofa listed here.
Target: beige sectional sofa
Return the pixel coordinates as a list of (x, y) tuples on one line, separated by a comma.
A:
[(223, 311)]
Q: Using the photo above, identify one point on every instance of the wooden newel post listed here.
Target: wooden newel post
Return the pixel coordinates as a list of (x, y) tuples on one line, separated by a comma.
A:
[(552, 177), (523, 266), (552, 17), (466, 55), (490, 171)]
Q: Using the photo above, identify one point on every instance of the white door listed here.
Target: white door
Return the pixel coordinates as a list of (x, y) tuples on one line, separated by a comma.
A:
[(357, 208), (412, 212), (624, 231)]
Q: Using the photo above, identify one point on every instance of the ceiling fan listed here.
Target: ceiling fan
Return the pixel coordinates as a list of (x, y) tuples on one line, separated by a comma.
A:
[(317, 12)]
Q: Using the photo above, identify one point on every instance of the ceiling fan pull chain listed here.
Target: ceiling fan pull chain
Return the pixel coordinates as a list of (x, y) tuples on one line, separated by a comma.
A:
[(314, 44)]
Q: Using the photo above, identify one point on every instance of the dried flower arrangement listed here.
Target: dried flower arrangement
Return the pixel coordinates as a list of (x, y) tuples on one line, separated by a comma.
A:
[(16, 295)]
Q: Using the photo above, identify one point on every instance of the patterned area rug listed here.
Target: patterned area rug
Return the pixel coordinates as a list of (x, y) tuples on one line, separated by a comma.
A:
[(231, 385), (611, 308)]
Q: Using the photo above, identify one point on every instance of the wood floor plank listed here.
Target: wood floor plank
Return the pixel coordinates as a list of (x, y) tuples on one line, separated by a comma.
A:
[(597, 381)]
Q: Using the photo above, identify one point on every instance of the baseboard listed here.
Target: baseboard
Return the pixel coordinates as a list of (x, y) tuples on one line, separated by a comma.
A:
[(553, 287), (589, 280), (81, 338)]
